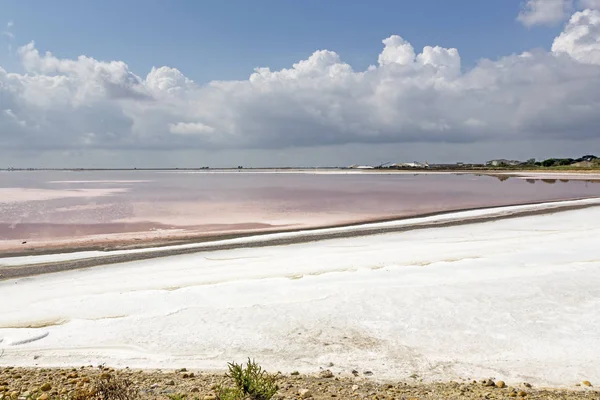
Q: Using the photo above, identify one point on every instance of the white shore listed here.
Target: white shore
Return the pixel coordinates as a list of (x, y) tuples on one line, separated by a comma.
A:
[(514, 299)]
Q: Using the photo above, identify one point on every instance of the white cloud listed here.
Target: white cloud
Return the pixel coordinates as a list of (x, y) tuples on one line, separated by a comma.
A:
[(190, 128), (544, 12), (8, 32), (581, 37), (69, 104)]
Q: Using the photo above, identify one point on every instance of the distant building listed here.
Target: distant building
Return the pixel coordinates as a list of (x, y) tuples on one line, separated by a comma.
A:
[(502, 163), (414, 164), (355, 166)]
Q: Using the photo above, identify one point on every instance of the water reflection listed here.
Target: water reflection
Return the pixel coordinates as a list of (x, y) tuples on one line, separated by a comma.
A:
[(53, 204)]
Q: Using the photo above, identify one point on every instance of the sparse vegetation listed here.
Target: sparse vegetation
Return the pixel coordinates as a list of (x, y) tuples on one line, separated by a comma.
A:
[(250, 382), (108, 387), (82, 384)]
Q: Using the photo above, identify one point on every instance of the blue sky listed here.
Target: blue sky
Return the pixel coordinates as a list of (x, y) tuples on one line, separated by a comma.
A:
[(173, 83), (226, 39)]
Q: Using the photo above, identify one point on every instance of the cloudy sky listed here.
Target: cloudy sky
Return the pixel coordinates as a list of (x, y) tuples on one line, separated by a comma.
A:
[(302, 83)]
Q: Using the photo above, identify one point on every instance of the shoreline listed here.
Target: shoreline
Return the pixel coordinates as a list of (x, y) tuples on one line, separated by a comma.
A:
[(56, 236), (154, 250)]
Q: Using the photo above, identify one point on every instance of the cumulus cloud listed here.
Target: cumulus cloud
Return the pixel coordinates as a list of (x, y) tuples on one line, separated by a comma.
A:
[(407, 96), (544, 12), (581, 37), (190, 128)]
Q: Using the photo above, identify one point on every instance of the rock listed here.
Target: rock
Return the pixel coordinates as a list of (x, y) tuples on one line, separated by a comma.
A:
[(14, 395), (521, 393), (295, 373), (43, 396), (354, 372), (195, 390), (304, 393), (368, 373), (2, 389), (326, 374), (183, 370), (210, 397), (488, 382), (586, 383), (45, 387), (354, 388), (154, 386), (527, 385), (330, 365), (185, 376), (191, 375), (500, 384), (170, 383)]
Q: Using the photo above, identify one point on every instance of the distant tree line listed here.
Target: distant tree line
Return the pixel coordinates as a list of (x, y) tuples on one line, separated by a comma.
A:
[(558, 162)]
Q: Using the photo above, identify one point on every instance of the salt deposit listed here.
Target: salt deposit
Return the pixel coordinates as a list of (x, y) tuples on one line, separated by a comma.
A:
[(516, 299)]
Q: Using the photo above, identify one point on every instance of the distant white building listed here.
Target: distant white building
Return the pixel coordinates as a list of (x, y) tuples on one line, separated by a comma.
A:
[(355, 166), (500, 162), (414, 164)]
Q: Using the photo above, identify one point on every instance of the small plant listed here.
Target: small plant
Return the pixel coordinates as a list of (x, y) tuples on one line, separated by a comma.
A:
[(177, 396), (109, 387), (250, 381)]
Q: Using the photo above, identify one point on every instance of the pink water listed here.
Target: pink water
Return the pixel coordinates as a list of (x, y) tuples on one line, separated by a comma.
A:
[(45, 208)]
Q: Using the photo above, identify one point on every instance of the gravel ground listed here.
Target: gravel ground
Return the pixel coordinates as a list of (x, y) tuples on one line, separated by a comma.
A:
[(48, 384)]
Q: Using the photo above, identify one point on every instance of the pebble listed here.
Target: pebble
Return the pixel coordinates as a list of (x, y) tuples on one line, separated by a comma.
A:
[(586, 383), (527, 385), (500, 384), (521, 394), (326, 374), (43, 396), (488, 382), (354, 388), (295, 373), (210, 397), (170, 383), (45, 387), (304, 393)]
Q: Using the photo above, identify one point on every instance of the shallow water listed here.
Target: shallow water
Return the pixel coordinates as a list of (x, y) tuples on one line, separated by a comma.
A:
[(50, 205)]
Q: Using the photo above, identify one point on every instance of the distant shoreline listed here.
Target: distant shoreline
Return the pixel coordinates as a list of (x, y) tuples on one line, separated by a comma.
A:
[(166, 248), (432, 169)]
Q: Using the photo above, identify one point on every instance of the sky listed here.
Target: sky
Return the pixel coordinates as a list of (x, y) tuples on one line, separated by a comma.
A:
[(296, 83)]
